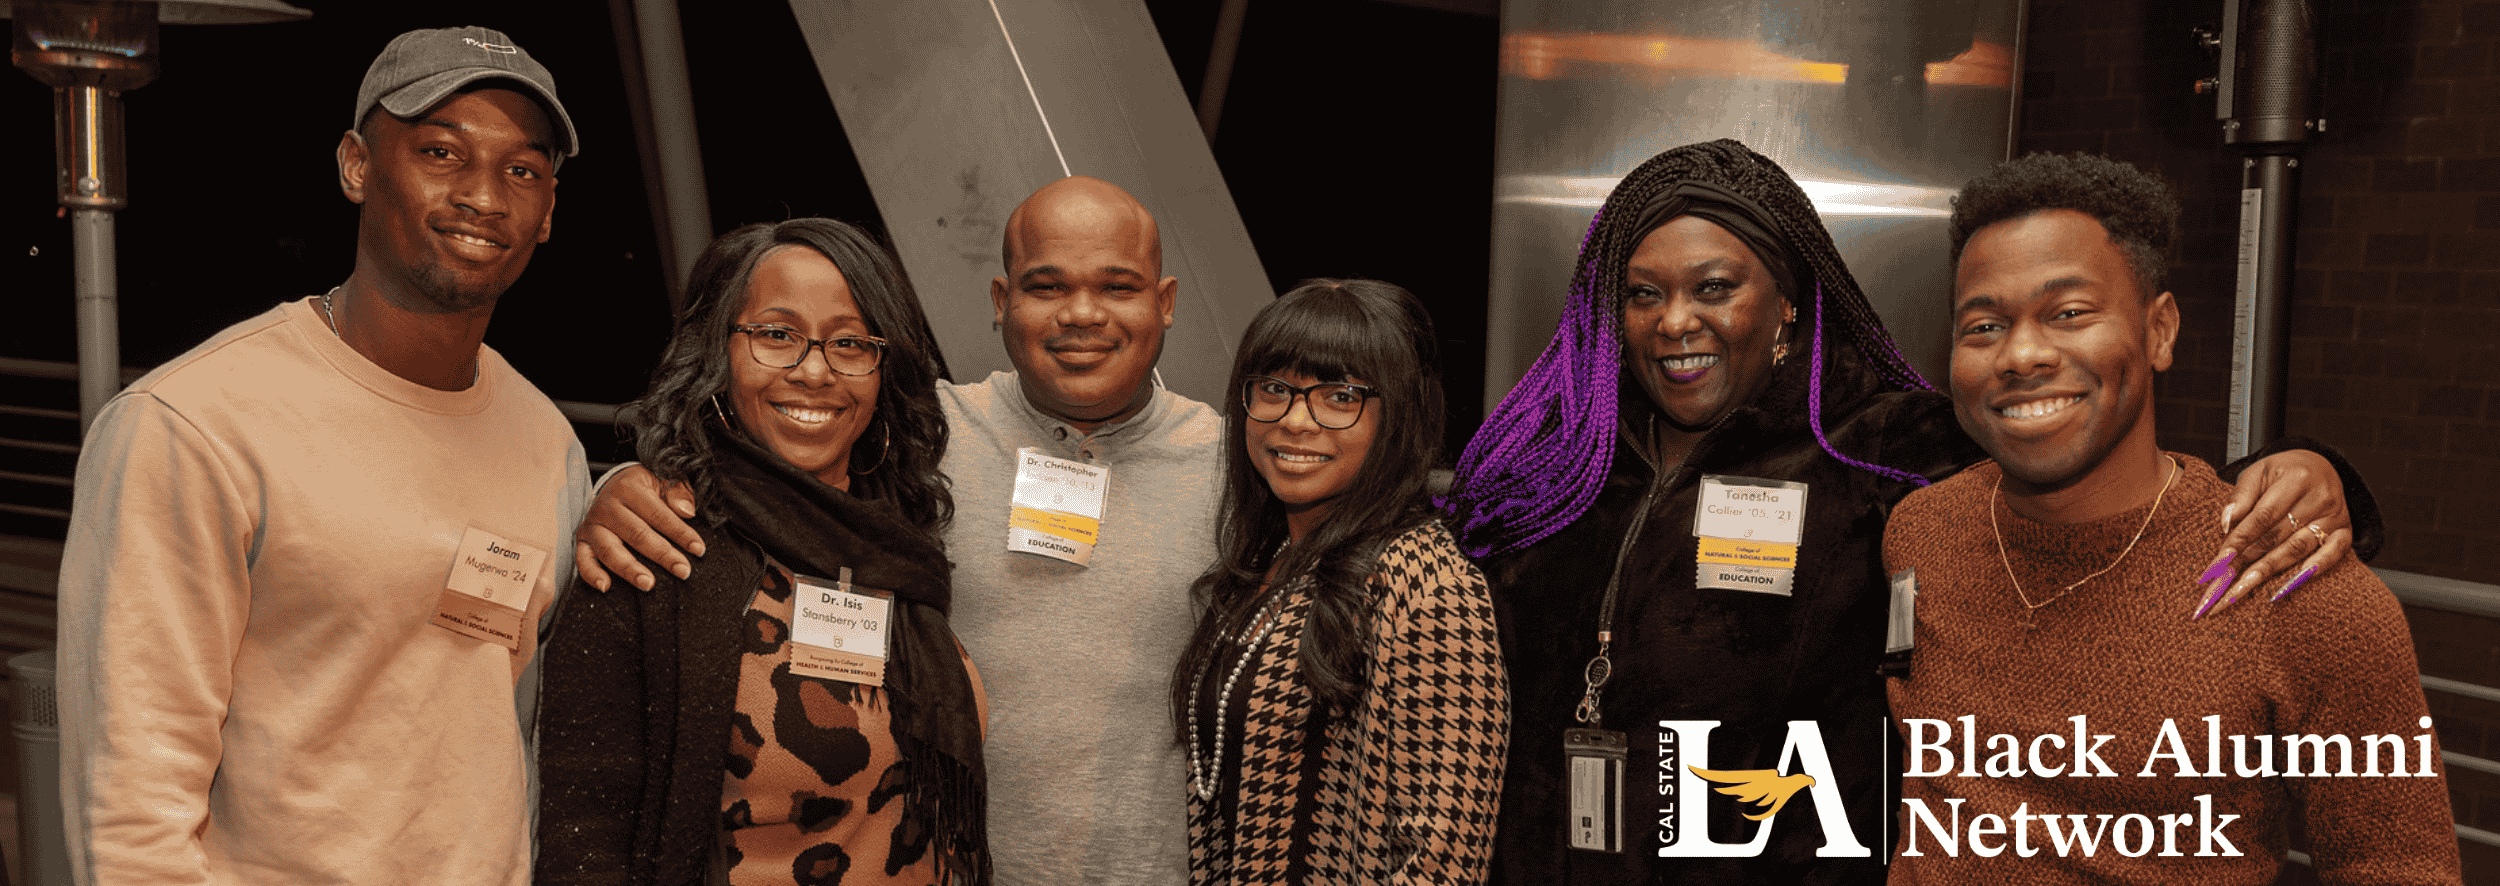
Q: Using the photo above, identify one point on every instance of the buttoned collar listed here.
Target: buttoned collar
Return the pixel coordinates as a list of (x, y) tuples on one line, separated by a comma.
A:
[(1106, 438)]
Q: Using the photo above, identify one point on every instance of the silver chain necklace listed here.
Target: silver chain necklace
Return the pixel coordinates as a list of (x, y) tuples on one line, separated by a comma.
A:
[(329, 311)]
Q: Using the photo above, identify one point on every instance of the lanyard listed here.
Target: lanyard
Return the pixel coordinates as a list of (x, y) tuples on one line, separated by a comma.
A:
[(1601, 668)]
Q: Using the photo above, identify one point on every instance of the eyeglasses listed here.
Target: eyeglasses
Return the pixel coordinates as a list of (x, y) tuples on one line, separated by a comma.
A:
[(1334, 405), (782, 347)]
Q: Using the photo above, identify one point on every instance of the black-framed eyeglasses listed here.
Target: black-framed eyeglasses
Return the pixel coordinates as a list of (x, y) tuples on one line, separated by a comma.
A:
[(782, 347), (1334, 405)]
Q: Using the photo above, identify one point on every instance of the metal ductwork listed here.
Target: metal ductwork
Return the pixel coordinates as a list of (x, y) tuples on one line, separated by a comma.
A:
[(1881, 109)]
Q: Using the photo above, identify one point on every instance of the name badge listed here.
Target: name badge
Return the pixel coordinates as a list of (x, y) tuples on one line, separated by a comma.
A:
[(490, 584), (838, 631), (1901, 625), (1057, 510), (1593, 760), (1748, 530)]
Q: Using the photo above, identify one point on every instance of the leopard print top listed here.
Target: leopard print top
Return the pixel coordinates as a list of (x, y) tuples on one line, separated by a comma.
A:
[(815, 788)]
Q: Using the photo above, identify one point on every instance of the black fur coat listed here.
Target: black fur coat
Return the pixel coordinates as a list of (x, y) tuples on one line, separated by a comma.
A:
[(1752, 661)]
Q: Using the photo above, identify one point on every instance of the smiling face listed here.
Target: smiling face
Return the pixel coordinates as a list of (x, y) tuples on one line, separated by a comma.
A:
[(2055, 347), (1083, 306), (1700, 318), (807, 414), (455, 200), (1307, 466)]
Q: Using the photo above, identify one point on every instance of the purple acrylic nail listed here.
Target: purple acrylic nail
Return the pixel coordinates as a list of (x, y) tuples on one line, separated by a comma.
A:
[(2296, 581), (2220, 568), (2212, 597)]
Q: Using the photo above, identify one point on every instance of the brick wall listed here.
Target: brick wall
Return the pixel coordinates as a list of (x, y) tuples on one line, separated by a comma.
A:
[(2395, 353), (2397, 299)]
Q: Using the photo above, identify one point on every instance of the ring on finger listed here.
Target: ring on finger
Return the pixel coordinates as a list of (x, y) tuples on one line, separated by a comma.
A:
[(2295, 521), (2319, 533)]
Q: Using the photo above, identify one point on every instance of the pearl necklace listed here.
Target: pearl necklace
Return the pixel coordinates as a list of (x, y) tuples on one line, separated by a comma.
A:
[(1203, 777)]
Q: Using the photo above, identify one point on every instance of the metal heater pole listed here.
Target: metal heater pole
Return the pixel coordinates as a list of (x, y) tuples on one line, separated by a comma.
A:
[(2261, 314), (2267, 100), (87, 121), (99, 313)]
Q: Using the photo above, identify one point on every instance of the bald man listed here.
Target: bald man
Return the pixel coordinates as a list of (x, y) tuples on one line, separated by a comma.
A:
[(1085, 781)]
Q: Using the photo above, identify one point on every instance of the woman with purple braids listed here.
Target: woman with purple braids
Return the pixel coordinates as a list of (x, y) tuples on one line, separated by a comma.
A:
[(1681, 510)]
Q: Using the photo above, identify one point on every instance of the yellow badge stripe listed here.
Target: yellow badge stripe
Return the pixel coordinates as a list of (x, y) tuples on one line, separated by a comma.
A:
[(1063, 525), (1748, 553)]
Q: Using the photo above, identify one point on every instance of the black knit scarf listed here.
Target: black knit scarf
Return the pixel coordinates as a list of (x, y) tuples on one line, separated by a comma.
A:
[(815, 529)]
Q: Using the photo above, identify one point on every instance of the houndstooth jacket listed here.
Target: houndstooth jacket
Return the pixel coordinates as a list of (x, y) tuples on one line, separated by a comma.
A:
[(1401, 790)]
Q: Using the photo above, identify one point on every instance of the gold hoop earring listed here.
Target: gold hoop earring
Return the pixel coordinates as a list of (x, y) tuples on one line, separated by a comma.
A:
[(722, 414), (885, 441)]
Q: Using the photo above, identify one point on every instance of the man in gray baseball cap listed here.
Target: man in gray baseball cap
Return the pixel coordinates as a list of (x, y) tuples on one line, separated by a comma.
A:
[(421, 68), (307, 560)]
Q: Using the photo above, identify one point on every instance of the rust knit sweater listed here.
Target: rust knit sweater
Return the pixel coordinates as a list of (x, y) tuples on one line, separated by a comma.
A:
[(2333, 659)]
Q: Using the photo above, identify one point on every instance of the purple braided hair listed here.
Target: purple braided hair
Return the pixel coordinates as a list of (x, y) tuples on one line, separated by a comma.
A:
[(1814, 396), (1535, 470), (1542, 455)]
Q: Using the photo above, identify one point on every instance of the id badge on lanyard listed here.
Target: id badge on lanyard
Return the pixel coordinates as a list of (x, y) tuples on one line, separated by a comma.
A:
[(1593, 765)]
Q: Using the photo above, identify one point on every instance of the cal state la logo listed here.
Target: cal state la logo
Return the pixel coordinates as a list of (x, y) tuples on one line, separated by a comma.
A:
[(1684, 810)]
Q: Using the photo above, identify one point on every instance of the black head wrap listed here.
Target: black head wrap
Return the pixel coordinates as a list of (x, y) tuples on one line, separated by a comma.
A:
[(1541, 456), (1735, 212)]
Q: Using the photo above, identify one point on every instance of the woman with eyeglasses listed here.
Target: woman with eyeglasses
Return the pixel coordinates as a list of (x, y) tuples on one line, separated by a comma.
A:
[(1343, 700), (795, 710)]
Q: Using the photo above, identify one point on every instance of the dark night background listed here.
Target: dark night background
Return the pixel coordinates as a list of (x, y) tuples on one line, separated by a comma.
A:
[(1356, 139)]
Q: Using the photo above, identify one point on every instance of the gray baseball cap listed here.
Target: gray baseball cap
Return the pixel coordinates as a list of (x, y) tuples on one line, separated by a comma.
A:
[(421, 68)]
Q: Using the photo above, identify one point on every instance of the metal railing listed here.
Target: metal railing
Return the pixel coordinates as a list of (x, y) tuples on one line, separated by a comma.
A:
[(578, 412), (2468, 598)]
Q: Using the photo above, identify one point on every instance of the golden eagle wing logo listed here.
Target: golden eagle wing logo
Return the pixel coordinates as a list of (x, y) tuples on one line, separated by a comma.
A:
[(1762, 787)]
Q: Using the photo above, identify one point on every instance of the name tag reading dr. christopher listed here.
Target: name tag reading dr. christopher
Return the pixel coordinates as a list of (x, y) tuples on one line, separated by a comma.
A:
[(1057, 510), (1748, 530), (489, 587)]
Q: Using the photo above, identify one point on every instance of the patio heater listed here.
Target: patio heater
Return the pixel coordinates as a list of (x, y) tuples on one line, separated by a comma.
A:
[(90, 52), (2267, 98)]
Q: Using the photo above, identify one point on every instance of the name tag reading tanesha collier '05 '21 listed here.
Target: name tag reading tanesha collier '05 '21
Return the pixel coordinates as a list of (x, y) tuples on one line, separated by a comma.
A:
[(1057, 510), (1748, 531)]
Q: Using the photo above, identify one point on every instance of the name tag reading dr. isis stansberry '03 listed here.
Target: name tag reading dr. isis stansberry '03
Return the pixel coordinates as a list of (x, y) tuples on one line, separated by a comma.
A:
[(1748, 530), (838, 630)]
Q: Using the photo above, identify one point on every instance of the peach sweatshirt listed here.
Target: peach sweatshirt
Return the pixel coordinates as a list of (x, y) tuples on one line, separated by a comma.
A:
[(252, 689)]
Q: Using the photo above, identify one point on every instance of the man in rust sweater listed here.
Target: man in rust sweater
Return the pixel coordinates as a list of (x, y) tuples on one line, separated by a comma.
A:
[(2076, 709)]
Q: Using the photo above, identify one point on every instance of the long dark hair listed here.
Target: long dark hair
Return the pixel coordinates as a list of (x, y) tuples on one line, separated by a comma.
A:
[(694, 371), (1331, 330)]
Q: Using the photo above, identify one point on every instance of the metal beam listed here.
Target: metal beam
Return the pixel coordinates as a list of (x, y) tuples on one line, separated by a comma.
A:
[(958, 109), (683, 207)]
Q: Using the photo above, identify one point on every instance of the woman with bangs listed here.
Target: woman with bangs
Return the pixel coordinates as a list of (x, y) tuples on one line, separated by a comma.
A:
[(1343, 700)]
